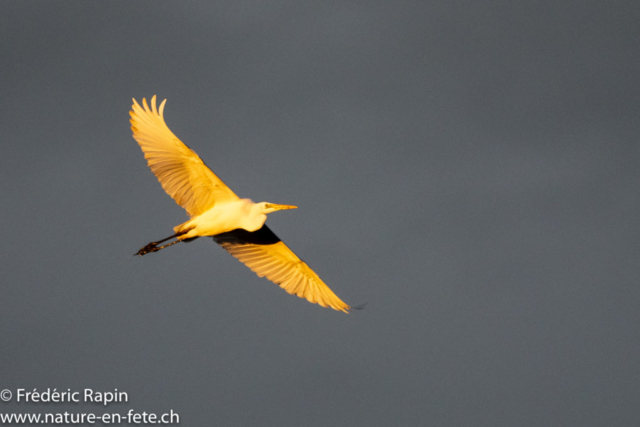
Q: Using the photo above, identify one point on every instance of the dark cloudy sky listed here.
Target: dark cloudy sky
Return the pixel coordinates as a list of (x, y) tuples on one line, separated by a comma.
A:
[(469, 169)]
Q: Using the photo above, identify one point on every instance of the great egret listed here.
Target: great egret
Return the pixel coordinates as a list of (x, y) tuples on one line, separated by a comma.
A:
[(238, 225)]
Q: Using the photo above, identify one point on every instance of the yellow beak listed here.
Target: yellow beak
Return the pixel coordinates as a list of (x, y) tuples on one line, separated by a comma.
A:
[(276, 207)]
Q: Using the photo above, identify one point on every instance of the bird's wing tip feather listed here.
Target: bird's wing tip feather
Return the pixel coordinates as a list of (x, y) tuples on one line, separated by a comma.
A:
[(358, 307), (161, 109), (148, 109)]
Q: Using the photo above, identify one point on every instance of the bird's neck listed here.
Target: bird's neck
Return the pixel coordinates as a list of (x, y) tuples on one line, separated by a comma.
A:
[(255, 219)]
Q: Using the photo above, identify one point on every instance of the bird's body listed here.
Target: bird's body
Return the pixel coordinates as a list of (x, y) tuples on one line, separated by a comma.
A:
[(223, 217), (238, 225)]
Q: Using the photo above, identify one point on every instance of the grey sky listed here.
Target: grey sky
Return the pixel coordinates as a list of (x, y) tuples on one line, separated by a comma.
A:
[(468, 169)]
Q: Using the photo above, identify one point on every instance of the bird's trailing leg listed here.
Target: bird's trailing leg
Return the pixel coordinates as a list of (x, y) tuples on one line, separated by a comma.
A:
[(153, 246)]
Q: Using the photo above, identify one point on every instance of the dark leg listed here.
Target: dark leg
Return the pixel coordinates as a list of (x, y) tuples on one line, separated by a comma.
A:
[(153, 246), (167, 238)]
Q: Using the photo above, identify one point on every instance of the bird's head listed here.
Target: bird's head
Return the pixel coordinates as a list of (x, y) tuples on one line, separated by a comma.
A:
[(266, 208)]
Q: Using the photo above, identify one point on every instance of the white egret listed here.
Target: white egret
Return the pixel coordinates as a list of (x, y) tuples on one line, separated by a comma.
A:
[(238, 225)]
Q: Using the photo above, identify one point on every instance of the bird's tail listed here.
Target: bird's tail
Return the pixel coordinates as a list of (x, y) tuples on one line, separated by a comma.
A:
[(183, 228)]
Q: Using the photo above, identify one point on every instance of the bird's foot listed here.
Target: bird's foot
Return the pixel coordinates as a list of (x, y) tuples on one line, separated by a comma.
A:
[(151, 247)]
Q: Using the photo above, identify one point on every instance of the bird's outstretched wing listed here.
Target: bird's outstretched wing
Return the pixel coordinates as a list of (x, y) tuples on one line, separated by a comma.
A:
[(264, 253), (178, 168)]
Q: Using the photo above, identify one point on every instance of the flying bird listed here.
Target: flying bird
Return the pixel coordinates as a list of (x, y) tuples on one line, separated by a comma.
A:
[(238, 225)]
